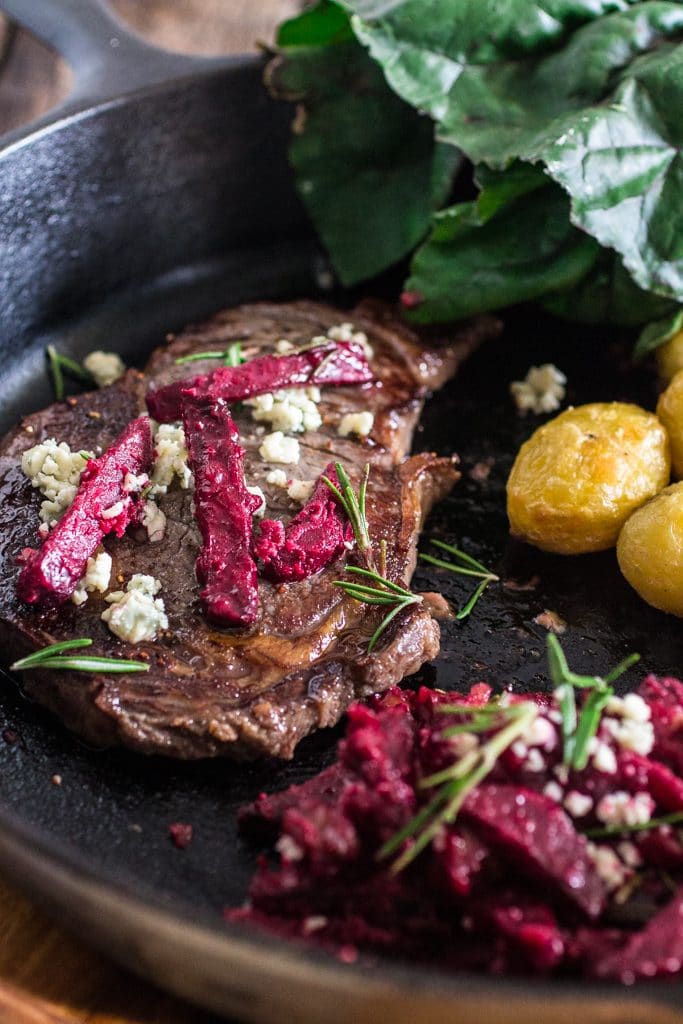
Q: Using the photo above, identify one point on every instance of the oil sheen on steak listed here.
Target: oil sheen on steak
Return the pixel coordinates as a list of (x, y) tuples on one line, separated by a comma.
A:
[(241, 694)]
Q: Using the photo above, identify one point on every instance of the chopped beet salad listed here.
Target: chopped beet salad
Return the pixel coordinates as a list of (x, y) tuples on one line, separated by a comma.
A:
[(510, 834)]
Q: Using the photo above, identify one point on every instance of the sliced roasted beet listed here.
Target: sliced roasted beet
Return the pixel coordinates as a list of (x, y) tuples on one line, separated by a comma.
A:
[(101, 506), (460, 856), (378, 756), (224, 509), (654, 951), (661, 848), (316, 536), (262, 817), (665, 697), (642, 774), (334, 363), (532, 931), (323, 835), (540, 838)]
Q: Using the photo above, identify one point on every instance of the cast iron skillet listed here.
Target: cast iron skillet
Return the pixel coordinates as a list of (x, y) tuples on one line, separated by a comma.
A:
[(158, 193)]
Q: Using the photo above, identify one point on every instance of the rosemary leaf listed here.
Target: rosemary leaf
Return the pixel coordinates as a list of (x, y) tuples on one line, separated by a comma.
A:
[(411, 827), (56, 370), (477, 723), (88, 664), (676, 818), (380, 579), (589, 722), (470, 603), (231, 356), (492, 708), (468, 566), (622, 667), (60, 364), (196, 357), (366, 594), (462, 555), (569, 723), (453, 795), (53, 656), (386, 622), (443, 564), (353, 506), (51, 649)]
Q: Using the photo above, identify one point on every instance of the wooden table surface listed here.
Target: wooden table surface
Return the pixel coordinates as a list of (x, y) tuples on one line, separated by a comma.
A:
[(46, 975)]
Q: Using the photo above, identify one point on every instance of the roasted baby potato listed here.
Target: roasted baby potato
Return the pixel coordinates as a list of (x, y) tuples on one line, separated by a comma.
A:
[(670, 412), (670, 357), (650, 550), (579, 477)]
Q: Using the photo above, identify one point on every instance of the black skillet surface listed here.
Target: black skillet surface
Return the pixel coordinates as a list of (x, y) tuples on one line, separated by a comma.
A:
[(99, 251)]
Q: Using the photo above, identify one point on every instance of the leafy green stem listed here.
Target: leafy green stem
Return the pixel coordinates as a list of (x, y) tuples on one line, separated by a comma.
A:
[(54, 656), (464, 565), (353, 506), (675, 818), (231, 356), (59, 365)]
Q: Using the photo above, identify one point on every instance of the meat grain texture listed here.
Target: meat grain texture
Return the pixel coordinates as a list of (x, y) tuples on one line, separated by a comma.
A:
[(242, 694)]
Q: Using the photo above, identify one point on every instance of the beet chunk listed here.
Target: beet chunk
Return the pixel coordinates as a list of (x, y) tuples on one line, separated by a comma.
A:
[(224, 509), (532, 932), (460, 856), (641, 773), (340, 362), (51, 573), (315, 536), (654, 951), (665, 697), (262, 818), (540, 838)]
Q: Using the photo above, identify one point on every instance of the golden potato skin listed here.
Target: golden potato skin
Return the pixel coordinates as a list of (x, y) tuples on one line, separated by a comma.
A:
[(669, 357), (579, 477), (670, 412), (650, 550)]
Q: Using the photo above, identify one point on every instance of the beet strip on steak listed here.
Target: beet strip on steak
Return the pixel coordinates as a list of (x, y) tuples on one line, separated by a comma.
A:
[(316, 536), (224, 509), (51, 573), (339, 362)]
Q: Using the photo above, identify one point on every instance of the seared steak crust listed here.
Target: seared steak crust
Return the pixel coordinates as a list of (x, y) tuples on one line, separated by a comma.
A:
[(242, 694)]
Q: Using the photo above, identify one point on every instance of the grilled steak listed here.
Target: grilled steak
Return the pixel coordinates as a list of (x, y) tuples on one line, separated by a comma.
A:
[(246, 693)]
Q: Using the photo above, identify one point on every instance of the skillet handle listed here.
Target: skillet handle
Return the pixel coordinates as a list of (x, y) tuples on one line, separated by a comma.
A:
[(106, 57)]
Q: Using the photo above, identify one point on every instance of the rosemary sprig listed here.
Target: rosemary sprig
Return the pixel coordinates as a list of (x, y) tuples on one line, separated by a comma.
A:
[(353, 506), (579, 729), (59, 365), (231, 356), (53, 656), (382, 592), (457, 781), (464, 565), (676, 818), (379, 590)]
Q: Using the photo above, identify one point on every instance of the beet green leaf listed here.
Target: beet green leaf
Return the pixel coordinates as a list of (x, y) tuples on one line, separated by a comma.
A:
[(367, 165)]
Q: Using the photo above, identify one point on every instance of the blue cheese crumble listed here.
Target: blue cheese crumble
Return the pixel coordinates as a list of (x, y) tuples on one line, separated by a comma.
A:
[(170, 454), (55, 471), (136, 614), (104, 367)]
